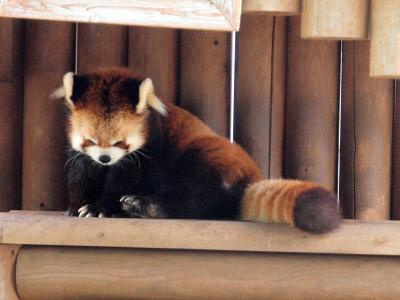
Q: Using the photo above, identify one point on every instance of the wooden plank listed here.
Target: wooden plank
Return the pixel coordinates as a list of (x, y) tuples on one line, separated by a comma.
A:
[(261, 90), (101, 46), (276, 7), (154, 52), (367, 137), (204, 78), (395, 196), (8, 258), (46, 273), (11, 102), (340, 19), (254, 88), (385, 38), (279, 59), (211, 15), (311, 108), (49, 54), (354, 237)]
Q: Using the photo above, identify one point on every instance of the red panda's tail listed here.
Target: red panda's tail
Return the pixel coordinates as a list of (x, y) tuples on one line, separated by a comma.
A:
[(307, 205)]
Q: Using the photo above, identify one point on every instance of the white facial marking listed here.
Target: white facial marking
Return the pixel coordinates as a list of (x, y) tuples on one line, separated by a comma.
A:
[(76, 141), (114, 153), (135, 140)]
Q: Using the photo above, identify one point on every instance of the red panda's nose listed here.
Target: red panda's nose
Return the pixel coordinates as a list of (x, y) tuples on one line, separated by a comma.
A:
[(104, 159)]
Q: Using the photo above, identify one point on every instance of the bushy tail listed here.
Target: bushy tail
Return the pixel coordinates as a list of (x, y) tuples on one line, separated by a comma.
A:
[(307, 205)]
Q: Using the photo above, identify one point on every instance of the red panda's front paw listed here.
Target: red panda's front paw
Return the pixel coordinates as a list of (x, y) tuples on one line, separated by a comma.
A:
[(90, 211), (140, 207)]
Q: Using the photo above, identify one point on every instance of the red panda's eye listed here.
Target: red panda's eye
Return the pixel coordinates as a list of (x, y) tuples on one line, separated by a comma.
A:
[(119, 144), (88, 143)]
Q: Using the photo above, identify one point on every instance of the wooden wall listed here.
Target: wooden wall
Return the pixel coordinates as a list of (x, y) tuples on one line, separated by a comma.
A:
[(288, 92)]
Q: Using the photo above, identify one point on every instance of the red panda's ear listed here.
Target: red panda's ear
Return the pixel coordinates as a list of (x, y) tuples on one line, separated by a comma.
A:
[(147, 98), (74, 86)]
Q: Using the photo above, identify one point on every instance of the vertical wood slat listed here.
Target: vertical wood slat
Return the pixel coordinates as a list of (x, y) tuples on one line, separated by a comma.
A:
[(395, 207), (101, 46), (261, 90), (11, 102), (154, 53), (310, 146), (367, 137), (204, 77), (49, 54)]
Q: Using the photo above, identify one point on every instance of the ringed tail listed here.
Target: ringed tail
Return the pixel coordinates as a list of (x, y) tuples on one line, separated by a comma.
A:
[(307, 205)]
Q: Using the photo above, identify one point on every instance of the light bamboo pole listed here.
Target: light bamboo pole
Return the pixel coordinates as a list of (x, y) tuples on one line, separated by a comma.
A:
[(276, 7), (339, 19), (385, 38)]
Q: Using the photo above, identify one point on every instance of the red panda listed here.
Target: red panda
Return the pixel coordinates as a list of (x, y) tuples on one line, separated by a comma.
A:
[(134, 155)]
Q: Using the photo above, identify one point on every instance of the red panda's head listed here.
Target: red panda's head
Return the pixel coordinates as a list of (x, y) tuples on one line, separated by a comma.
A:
[(108, 113)]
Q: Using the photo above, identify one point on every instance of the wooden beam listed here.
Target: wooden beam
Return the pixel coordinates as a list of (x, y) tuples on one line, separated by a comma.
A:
[(8, 258), (310, 147), (11, 120), (275, 7), (202, 15), (354, 237), (48, 273), (154, 52), (101, 46), (261, 90), (49, 55), (339, 19), (204, 77), (367, 114), (395, 196)]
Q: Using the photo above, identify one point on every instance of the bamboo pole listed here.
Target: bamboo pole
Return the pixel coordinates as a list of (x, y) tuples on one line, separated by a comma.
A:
[(204, 78), (48, 273), (367, 137), (339, 19), (261, 90), (154, 52), (385, 38), (11, 103), (8, 257), (276, 7), (311, 108), (101, 46), (49, 55)]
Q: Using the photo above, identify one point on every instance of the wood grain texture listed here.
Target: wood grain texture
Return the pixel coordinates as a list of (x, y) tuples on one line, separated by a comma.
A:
[(395, 196), (276, 7), (353, 237), (11, 114), (213, 14), (154, 52), (311, 108), (367, 137), (339, 19), (261, 90), (49, 55), (45, 273), (101, 46), (8, 257), (204, 78), (385, 38)]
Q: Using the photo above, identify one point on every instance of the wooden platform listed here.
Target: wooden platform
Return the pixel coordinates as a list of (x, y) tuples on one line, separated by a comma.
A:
[(53, 229), (186, 259)]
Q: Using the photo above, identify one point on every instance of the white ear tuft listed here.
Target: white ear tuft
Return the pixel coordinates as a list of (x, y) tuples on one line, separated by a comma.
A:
[(68, 81), (148, 98), (58, 93)]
